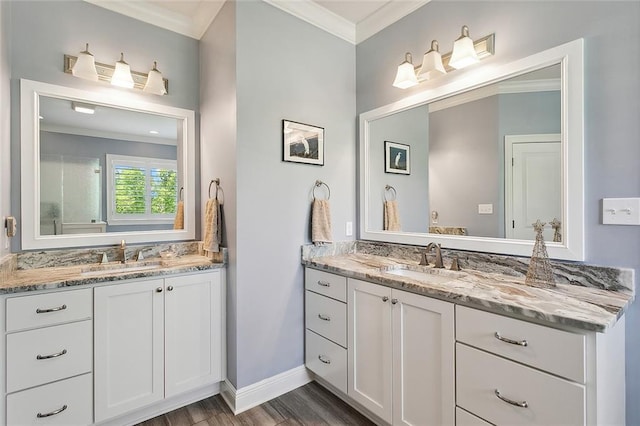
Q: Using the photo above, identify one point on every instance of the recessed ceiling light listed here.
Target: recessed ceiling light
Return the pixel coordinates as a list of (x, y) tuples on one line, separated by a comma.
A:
[(154, 132), (83, 108)]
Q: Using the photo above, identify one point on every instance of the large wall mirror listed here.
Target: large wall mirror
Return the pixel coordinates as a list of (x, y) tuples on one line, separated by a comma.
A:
[(96, 169), (471, 164)]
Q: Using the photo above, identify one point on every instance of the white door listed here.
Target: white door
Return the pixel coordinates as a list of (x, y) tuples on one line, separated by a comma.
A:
[(423, 366), (533, 184), (128, 344), (193, 335), (370, 351)]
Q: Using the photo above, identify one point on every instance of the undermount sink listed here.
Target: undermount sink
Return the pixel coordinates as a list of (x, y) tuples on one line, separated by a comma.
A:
[(116, 268), (423, 273)]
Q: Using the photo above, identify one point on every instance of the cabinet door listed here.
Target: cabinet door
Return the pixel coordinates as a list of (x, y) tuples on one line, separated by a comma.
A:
[(370, 347), (193, 335), (128, 342), (423, 354)]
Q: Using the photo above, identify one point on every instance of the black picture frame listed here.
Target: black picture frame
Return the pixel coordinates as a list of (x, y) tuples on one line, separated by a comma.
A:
[(397, 158), (302, 143)]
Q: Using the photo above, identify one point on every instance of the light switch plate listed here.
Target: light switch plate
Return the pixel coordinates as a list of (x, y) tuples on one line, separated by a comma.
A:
[(485, 208), (621, 211), (349, 229)]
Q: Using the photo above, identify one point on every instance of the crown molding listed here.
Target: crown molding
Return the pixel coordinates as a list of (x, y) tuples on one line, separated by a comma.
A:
[(385, 16), (158, 16), (311, 12)]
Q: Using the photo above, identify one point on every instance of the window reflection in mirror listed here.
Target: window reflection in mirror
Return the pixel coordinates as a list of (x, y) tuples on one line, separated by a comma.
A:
[(105, 169), (486, 163)]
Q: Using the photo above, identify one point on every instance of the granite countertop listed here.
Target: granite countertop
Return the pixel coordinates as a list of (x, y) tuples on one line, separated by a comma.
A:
[(586, 308), (23, 280)]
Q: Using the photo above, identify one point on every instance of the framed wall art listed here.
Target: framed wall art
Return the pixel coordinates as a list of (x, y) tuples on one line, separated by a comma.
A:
[(397, 158), (302, 143)]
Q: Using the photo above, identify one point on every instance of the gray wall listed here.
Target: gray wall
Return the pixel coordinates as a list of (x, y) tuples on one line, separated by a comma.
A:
[(42, 31), (411, 128), (612, 128), (284, 69), (5, 147)]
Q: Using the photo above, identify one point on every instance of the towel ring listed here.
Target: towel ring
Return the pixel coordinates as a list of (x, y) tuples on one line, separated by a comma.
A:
[(389, 188), (318, 184), (181, 193)]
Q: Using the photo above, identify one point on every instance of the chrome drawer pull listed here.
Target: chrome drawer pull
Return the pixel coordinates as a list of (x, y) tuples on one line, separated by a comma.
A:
[(324, 317), (513, 342), (44, 311), (64, 351), (522, 404), (323, 359), (324, 283), (53, 413)]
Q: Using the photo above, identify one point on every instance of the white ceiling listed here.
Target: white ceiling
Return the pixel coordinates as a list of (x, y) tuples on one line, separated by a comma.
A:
[(351, 20)]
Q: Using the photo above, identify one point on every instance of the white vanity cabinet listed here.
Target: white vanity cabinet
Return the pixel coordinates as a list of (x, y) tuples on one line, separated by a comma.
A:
[(156, 339), (401, 354), (515, 372), (49, 352)]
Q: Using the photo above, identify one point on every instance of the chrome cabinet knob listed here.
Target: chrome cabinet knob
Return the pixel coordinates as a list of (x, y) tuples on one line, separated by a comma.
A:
[(159, 290), (385, 299), (170, 288)]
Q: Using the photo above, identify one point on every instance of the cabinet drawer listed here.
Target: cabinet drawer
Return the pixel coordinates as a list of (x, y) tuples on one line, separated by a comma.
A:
[(327, 317), (465, 419), (48, 309), (558, 352), (64, 351), (326, 359), (550, 400), (325, 283), (75, 394)]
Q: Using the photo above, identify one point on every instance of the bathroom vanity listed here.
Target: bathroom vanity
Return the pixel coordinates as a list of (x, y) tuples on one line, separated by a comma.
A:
[(111, 345), (409, 344)]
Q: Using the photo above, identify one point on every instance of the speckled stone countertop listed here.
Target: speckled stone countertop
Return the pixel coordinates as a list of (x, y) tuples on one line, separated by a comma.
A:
[(44, 270), (583, 307)]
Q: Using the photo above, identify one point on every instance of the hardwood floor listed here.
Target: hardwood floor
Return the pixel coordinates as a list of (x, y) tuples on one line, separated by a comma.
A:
[(308, 405)]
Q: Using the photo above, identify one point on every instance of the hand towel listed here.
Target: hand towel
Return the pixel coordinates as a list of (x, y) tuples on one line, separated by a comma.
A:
[(178, 222), (391, 216), (321, 222), (212, 226)]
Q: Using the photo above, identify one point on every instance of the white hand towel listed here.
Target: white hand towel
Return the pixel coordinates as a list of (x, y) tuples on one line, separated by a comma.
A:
[(391, 216), (212, 226), (321, 222)]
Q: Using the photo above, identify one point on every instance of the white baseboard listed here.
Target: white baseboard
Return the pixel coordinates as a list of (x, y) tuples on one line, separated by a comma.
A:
[(265, 390)]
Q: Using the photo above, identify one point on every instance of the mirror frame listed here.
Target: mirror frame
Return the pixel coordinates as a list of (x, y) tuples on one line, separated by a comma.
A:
[(571, 59), (30, 92)]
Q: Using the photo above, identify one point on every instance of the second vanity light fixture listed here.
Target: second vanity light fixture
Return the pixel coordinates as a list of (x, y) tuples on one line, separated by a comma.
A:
[(120, 74), (465, 52)]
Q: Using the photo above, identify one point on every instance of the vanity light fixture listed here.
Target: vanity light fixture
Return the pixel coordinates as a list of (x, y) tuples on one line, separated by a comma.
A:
[(83, 108), (406, 75), (465, 52), (155, 83), (122, 74), (85, 66), (119, 75)]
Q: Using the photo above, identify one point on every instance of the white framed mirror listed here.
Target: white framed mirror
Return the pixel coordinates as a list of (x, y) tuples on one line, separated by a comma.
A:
[(98, 168), (489, 154)]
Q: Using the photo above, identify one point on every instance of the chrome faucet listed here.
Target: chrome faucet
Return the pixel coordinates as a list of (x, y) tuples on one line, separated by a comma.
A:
[(428, 249), (123, 250)]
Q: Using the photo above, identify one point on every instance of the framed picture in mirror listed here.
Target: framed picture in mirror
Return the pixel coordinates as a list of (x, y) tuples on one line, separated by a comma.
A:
[(397, 158), (302, 143)]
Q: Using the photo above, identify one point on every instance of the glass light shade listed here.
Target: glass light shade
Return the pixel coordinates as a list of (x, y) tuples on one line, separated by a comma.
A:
[(432, 63), (464, 54), (85, 66), (155, 82), (122, 74), (406, 75)]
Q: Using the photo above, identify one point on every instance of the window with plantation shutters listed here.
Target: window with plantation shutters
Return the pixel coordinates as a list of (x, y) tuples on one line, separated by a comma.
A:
[(141, 190)]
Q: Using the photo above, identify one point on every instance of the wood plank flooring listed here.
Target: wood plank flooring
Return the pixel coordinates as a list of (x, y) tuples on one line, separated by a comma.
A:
[(308, 405)]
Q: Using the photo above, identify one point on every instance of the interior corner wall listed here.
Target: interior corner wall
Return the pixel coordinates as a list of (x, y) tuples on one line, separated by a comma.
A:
[(5, 134), (218, 147), (612, 129), (286, 69), (40, 32)]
